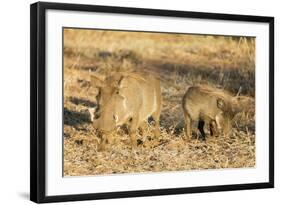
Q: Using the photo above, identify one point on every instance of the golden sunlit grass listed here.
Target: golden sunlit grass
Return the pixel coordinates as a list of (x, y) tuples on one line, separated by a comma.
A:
[(180, 61)]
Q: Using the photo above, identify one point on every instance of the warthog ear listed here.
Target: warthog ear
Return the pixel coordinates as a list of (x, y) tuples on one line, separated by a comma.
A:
[(221, 103)]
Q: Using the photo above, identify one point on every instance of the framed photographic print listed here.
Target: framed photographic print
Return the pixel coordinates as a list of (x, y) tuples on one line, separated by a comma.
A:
[(129, 102)]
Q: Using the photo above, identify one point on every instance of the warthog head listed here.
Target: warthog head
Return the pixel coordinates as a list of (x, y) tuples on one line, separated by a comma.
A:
[(231, 107), (112, 113), (235, 105), (111, 110)]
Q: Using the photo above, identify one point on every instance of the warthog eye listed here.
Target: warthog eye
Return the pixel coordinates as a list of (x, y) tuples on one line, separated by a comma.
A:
[(115, 118)]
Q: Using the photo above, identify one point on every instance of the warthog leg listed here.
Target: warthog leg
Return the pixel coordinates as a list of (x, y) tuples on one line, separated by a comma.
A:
[(156, 114), (187, 127), (133, 131), (219, 123), (213, 128), (105, 139), (133, 138), (102, 144), (156, 117), (143, 127), (201, 124)]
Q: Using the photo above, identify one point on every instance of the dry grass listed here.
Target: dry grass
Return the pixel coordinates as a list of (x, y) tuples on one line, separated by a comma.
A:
[(180, 60)]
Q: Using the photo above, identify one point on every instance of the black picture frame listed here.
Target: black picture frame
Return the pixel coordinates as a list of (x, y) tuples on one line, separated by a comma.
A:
[(38, 101)]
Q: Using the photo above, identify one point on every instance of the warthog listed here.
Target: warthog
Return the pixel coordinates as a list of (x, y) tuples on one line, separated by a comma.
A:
[(126, 98), (211, 106)]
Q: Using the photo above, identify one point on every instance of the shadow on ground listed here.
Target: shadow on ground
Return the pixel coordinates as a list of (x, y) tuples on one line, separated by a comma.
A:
[(80, 101), (74, 118)]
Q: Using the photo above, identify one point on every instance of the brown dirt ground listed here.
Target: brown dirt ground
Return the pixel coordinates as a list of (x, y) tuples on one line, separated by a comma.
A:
[(180, 60)]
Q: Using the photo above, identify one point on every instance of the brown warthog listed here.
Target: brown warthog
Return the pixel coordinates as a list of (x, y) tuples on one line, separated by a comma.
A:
[(126, 98), (211, 106)]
